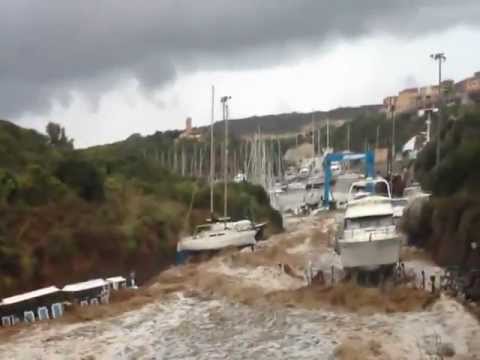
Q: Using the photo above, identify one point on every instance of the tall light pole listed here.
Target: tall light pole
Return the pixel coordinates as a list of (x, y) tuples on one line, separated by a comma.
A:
[(441, 58), (212, 154), (224, 101)]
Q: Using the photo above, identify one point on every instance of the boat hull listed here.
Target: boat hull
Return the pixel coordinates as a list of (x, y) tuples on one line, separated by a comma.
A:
[(218, 241), (369, 254)]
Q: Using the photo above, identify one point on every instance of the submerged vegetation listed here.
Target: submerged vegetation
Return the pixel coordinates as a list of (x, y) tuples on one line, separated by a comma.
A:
[(67, 215)]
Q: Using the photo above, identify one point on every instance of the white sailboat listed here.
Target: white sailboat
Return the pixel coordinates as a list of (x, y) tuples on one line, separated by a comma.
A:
[(222, 233)]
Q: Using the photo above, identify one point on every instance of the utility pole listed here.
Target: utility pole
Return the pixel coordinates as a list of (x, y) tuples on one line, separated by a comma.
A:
[(440, 57), (378, 137)]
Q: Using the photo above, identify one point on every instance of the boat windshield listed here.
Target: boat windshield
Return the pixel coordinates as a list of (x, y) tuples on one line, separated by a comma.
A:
[(378, 187), (368, 222)]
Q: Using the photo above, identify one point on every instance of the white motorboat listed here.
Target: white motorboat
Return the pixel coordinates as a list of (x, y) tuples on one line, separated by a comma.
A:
[(304, 172), (369, 239), (413, 192), (313, 198), (239, 178), (315, 182), (336, 168), (296, 186)]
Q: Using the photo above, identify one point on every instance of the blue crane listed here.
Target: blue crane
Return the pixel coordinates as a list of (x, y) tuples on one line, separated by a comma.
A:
[(368, 156)]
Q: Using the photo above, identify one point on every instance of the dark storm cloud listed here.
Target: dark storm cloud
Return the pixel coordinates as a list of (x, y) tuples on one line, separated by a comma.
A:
[(49, 48)]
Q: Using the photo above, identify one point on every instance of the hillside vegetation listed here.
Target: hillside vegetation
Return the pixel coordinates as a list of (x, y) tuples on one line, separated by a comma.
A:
[(292, 122), (449, 224), (68, 215)]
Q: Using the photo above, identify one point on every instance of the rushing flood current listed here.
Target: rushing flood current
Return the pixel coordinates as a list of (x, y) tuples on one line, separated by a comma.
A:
[(189, 328), (244, 306)]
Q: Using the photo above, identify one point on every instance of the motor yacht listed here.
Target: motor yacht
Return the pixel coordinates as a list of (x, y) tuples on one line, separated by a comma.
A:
[(369, 238)]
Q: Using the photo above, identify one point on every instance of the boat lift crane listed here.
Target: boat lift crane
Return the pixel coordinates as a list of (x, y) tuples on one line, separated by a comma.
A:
[(368, 157)]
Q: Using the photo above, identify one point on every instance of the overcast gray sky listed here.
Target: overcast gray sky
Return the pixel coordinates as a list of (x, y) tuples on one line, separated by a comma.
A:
[(106, 69)]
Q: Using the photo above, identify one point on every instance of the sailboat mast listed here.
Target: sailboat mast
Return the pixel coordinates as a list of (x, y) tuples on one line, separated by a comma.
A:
[(212, 152), (225, 161), (328, 133), (348, 137), (319, 140), (313, 137)]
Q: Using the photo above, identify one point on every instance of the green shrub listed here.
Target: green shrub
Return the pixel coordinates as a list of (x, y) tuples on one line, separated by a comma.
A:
[(82, 177), (8, 186), (61, 246), (38, 187)]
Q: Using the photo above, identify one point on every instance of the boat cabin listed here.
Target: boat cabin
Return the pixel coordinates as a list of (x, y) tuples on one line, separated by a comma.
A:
[(41, 304), (368, 214)]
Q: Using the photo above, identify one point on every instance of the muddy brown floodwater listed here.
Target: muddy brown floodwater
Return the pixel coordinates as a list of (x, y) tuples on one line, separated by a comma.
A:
[(243, 305)]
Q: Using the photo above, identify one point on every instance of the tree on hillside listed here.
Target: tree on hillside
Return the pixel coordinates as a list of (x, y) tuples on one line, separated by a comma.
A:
[(57, 136), (8, 185)]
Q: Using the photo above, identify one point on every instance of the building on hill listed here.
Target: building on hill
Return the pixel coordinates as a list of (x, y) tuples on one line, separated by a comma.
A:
[(189, 132), (428, 96), (381, 159), (409, 100), (389, 103), (469, 85), (468, 90), (406, 100)]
